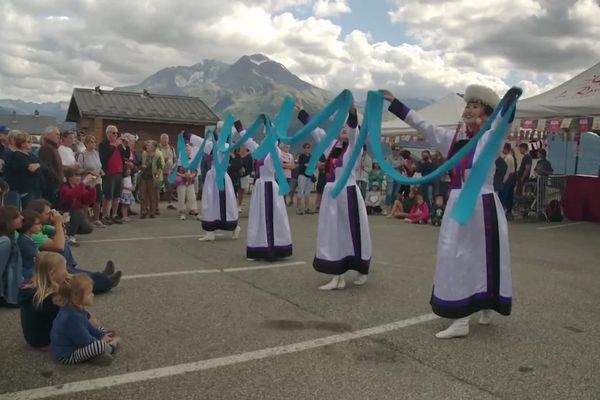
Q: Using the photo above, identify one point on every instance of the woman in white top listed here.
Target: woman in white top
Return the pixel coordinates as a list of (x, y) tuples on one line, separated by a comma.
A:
[(89, 159)]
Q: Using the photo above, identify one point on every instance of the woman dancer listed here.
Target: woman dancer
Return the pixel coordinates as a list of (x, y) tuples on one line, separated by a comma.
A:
[(473, 262), (343, 237), (219, 207), (269, 234)]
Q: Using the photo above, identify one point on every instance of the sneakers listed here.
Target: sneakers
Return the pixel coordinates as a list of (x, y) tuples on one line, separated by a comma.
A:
[(299, 211), (208, 237), (236, 232), (459, 328), (110, 268), (337, 283), (307, 211), (486, 317), (99, 224), (171, 207), (117, 220), (182, 217), (361, 279), (72, 241), (102, 360), (115, 343), (106, 221), (115, 279)]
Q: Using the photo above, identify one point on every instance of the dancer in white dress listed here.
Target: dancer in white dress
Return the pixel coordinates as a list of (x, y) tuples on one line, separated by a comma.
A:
[(219, 207), (473, 269), (269, 234), (343, 237)]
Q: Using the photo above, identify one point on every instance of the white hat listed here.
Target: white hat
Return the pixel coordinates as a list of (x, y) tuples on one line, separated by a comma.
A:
[(481, 94)]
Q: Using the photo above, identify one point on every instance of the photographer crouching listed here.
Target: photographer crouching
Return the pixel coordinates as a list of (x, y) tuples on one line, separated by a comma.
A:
[(75, 195)]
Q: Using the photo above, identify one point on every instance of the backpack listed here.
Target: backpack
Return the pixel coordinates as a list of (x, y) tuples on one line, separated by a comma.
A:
[(554, 212)]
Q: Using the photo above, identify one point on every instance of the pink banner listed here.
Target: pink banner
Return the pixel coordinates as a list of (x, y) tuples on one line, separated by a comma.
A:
[(527, 124), (584, 125), (554, 125)]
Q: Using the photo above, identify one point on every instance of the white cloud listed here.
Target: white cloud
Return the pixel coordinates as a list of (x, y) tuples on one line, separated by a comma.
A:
[(45, 55), (330, 8)]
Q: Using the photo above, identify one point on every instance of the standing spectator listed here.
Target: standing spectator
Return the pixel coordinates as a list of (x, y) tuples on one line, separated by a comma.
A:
[(304, 181), (11, 274), (11, 197), (543, 166), (508, 187), (393, 187), (407, 168), (3, 144), (186, 195), (247, 168), (50, 158), (89, 159), (74, 195), (127, 198), (364, 168), (78, 145), (499, 174), (525, 167), (288, 164), (376, 175), (150, 178), (131, 160), (321, 182), (65, 150), (169, 156), (112, 153), (426, 167), (234, 170), (24, 170), (437, 159)]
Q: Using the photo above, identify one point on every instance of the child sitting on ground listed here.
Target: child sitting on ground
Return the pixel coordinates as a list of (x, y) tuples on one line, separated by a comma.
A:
[(437, 212), (35, 299), (402, 205), (73, 338), (373, 200), (419, 213)]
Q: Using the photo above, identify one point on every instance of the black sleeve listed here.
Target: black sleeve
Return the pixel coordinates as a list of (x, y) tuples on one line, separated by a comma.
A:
[(398, 109)]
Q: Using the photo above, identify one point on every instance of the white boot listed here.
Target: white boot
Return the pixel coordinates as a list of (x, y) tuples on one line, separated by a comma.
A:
[(486, 317), (208, 237), (337, 283), (459, 328), (361, 279), (236, 232)]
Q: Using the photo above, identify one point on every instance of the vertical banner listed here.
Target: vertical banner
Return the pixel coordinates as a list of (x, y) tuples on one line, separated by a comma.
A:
[(554, 125), (596, 124), (541, 125), (566, 123)]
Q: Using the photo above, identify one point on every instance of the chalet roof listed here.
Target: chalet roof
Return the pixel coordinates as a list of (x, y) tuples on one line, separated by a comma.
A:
[(139, 107), (34, 124)]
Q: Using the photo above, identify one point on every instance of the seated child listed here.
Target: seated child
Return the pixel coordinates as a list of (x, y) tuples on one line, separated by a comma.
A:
[(35, 299), (373, 200), (402, 205), (419, 213), (73, 338), (437, 212)]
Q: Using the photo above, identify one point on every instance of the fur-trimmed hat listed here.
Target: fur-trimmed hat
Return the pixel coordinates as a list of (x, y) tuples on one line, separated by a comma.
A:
[(481, 94)]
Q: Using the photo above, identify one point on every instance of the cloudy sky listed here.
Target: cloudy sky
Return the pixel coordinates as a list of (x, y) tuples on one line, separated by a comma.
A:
[(418, 48)]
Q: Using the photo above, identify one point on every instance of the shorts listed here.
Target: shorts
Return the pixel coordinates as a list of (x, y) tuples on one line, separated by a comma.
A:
[(245, 182), (321, 182), (304, 186), (99, 193), (112, 186)]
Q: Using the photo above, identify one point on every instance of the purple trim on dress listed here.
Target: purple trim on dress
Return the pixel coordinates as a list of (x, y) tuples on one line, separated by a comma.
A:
[(269, 214), (339, 267), (354, 220), (398, 109), (222, 206), (492, 245), (269, 253), (210, 226)]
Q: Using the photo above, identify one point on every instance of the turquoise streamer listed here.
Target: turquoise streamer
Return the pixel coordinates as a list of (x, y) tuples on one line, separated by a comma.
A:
[(182, 155)]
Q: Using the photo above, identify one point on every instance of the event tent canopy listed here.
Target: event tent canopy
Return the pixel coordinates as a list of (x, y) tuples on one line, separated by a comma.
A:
[(445, 112), (579, 96)]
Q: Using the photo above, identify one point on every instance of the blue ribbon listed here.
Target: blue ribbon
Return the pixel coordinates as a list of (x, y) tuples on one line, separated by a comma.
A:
[(183, 157)]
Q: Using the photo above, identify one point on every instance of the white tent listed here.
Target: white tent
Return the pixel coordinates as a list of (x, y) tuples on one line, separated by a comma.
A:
[(579, 96), (445, 112)]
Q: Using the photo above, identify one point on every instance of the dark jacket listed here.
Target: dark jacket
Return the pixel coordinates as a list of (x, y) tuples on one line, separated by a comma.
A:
[(36, 322), (53, 171)]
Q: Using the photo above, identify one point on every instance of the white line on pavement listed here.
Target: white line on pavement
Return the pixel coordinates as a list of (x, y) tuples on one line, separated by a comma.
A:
[(173, 370), (134, 239), (543, 228), (212, 271)]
